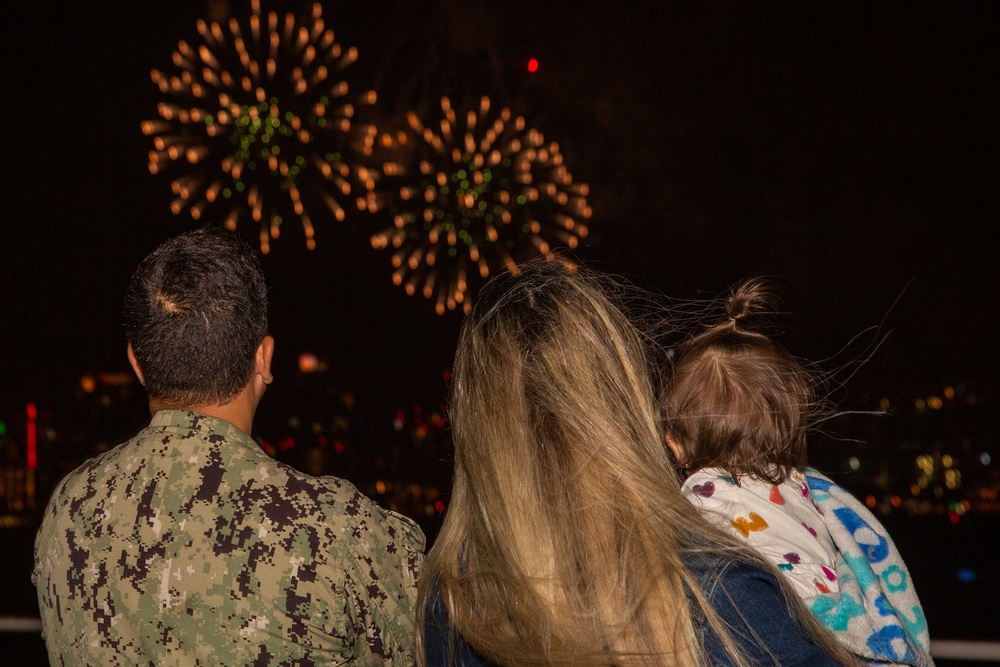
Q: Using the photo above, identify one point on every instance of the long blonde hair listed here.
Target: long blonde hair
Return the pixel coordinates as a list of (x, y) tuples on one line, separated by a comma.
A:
[(565, 535)]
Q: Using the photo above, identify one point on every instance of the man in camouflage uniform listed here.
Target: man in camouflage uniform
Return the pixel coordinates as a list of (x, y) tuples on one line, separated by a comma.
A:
[(188, 545)]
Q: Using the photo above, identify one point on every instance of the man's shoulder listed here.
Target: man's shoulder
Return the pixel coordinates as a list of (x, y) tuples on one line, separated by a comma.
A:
[(81, 479), (378, 552), (342, 507)]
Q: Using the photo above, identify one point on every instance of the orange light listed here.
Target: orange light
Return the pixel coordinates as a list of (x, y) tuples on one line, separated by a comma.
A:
[(120, 379), (308, 363)]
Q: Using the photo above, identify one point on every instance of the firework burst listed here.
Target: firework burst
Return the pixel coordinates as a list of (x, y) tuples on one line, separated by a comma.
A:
[(258, 121), (479, 193)]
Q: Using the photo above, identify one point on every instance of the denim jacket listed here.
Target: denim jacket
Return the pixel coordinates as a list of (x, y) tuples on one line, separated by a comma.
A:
[(748, 599)]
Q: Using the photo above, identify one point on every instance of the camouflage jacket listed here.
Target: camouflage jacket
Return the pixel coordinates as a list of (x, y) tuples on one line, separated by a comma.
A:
[(188, 545)]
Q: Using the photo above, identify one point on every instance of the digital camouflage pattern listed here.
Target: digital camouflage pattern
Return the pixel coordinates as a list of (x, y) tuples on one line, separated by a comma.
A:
[(188, 545)]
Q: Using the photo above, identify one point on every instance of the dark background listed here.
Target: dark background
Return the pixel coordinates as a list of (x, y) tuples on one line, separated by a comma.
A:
[(848, 150)]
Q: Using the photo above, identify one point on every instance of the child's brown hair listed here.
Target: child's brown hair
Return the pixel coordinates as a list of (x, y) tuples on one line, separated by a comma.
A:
[(737, 400)]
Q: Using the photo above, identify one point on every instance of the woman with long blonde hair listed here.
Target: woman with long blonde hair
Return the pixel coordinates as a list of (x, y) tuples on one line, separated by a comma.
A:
[(567, 540)]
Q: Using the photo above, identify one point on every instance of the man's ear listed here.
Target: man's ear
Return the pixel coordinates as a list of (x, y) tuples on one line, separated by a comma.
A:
[(262, 363), (135, 364)]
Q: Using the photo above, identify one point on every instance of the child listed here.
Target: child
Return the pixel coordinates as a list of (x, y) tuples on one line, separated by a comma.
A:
[(736, 409)]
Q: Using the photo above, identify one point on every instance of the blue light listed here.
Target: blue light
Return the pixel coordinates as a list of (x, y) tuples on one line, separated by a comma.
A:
[(966, 575)]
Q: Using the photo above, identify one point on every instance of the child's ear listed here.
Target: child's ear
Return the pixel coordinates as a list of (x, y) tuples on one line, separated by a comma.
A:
[(676, 448)]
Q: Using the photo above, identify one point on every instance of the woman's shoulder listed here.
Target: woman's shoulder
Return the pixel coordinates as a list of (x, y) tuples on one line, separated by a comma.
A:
[(729, 582), (718, 573), (441, 644), (749, 601)]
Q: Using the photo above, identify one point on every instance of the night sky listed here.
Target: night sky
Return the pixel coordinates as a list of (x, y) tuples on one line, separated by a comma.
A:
[(849, 150)]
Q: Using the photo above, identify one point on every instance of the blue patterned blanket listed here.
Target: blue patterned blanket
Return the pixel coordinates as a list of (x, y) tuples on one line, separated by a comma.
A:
[(876, 612)]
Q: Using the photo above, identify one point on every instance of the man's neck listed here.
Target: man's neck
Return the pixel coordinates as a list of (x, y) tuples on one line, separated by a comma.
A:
[(239, 412)]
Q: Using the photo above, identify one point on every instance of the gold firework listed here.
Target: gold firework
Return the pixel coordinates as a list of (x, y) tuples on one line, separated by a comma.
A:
[(481, 192), (258, 120)]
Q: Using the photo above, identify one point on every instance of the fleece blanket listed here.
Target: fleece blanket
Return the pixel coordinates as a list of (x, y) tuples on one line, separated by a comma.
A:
[(876, 612)]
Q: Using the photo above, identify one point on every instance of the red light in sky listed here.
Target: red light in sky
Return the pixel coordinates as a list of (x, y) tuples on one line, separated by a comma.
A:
[(533, 64)]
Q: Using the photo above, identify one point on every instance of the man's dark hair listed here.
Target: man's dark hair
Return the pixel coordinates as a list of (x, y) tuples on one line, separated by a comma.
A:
[(195, 313)]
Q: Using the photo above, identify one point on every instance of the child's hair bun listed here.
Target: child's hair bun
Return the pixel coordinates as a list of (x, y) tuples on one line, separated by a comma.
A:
[(750, 298)]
